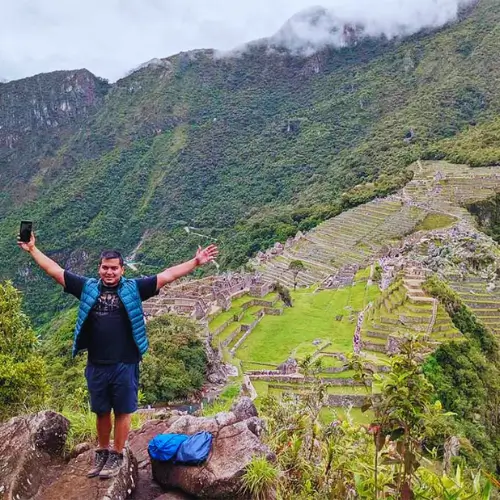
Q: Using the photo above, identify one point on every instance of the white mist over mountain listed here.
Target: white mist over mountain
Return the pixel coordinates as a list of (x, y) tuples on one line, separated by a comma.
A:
[(337, 22)]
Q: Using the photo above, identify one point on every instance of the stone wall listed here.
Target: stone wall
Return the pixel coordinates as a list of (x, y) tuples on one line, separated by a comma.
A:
[(300, 380), (248, 330), (335, 369), (372, 346), (346, 400), (261, 290), (222, 327), (394, 345), (273, 312), (231, 337)]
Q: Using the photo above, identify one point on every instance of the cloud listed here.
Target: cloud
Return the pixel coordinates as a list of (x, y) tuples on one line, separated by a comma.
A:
[(112, 36), (316, 27)]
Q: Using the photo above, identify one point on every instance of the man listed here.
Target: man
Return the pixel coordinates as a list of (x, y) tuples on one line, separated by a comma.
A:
[(110, 325)]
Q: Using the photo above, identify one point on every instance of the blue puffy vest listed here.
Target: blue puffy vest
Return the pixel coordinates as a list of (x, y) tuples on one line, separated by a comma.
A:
[(129, 295)]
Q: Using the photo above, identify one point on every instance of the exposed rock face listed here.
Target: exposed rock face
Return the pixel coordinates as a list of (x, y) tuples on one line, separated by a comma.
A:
[(244, 409), (47, 101), (236, 441), (73, 484), (27, 446)]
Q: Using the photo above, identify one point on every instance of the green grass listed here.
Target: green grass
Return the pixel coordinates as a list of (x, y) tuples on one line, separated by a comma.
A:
[(258, 366), (435, 221), (331, 362), (345, 390), (83, 426), (270, 297), (227, 332), (237, 303), (312, 317), (346, 374), (328, 415), (220, 319), (224, 402), (307, 348), (236, 308), (362, 274)]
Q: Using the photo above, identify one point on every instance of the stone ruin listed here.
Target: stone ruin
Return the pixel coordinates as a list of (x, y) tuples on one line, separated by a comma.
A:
[(289, 367), (277, 249), (198, 298), (344, 277)]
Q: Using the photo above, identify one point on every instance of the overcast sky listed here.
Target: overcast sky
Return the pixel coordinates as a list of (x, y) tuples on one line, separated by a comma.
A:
[(111, 37)]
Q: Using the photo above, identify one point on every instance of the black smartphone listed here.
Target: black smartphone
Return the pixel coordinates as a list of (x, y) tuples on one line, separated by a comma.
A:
[(25, 231)]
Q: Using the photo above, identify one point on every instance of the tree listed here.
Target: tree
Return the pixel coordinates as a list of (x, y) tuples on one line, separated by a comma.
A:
[(23, 381), (284, 294), (175, 364), (296, 266)]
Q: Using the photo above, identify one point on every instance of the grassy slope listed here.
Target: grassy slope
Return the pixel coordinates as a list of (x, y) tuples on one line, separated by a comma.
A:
[(312, 317)]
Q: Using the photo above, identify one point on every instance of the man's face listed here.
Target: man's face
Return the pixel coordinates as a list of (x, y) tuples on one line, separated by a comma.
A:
[(110, 271)]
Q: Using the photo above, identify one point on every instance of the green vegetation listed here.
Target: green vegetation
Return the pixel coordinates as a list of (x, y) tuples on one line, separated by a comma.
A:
[(435, 221), (466, 378), (477, 146), (83, 425), (387, 459), (23, 377), (354, 415), (487, 213), (224, 401), (296, 266), (175, 365)]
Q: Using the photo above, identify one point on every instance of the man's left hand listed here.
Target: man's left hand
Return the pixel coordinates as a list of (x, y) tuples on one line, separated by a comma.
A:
[(206, 255)]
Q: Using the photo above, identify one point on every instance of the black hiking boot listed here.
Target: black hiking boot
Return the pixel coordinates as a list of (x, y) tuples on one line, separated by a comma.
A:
[(101, 456), (112, 466)]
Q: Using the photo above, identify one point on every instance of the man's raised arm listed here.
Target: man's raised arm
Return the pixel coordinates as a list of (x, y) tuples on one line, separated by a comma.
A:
[(53, 269), (203, 256)]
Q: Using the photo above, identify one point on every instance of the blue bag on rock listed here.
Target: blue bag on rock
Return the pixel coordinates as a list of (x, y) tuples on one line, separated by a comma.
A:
[(195, 449), (163, 447)]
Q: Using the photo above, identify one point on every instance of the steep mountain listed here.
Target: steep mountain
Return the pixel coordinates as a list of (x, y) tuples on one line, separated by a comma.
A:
[(247, 148)]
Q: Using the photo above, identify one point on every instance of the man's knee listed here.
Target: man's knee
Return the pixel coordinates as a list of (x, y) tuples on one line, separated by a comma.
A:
[(123, 416), (103, 415)]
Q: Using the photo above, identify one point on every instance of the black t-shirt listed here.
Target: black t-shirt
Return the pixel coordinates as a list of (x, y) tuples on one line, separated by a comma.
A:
[(107, 332)]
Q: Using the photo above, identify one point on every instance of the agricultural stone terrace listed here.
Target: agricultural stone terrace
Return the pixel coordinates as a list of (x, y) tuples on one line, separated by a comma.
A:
[(482, 298), (405, 309), (357, 237)]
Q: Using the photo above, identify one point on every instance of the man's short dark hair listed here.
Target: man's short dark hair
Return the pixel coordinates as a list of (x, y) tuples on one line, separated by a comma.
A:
[(111, 254)]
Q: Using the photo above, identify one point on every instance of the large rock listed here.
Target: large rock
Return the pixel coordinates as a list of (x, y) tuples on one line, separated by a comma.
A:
[(244, 409), (236, 442), (27, 446), (174, 495), (73, 483)]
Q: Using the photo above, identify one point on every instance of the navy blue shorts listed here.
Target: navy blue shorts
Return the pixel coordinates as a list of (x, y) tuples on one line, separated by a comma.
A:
[(113, 387)]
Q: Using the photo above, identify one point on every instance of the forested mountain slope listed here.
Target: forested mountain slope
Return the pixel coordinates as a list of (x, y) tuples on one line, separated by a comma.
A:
[(247, 148)]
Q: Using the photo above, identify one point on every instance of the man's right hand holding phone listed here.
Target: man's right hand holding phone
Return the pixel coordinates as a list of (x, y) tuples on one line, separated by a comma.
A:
[(27, 246)]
